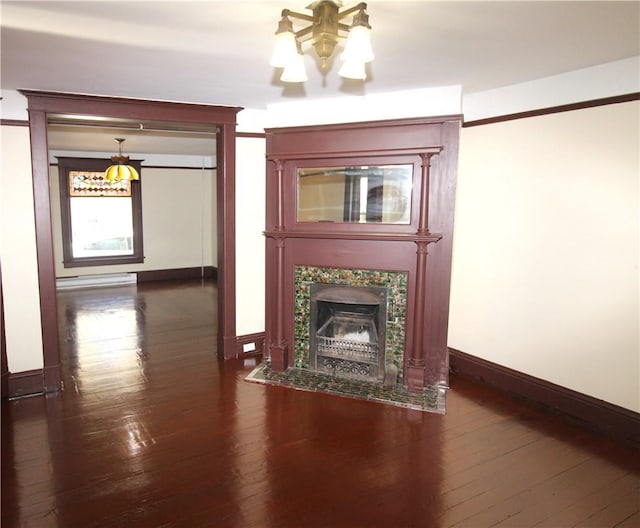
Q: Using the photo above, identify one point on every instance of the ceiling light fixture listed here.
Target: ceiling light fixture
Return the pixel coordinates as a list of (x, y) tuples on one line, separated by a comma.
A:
[(120, 170), (324, 33)]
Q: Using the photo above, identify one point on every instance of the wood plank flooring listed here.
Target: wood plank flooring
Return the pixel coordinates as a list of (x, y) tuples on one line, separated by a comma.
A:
[(152, 430)]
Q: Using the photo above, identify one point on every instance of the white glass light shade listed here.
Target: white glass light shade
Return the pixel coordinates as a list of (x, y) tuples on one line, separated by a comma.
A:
[(353, 69), (284, 50), (358, 45), (121, 172), (295, 70)]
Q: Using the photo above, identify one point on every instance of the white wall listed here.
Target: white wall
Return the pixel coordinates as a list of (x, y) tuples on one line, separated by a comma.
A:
[(177, 218), (18, 253), (545, 268), (178, 208), (605, 80), (423, 102), (250, 243)]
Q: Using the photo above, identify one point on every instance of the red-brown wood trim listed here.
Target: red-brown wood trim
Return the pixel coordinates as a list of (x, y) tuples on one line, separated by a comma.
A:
[(5, 384), (354, 235), (26, 383), (260, 135), (44, 249), (80, 104), (555, 109), (168, 167), (176, 167), (14, 122), (226, 217), (223, 118), (205, 272), (390, 138), (590, 412), (374, 153), (4, 380), (256, 339), (372, 124), (442, 188), (278, 347)]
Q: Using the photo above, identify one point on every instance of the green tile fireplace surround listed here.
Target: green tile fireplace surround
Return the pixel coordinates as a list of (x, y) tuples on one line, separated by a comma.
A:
[(302, 378)]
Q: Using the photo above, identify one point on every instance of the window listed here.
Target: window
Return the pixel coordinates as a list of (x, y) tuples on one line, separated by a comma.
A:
[(101, 221)]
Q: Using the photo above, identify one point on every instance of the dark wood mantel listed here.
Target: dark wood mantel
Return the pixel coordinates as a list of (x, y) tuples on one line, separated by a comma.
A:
[(420, 248)]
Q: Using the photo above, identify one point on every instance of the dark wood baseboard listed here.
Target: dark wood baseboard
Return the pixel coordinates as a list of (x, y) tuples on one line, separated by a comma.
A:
[(206, 272), (590, 412), (26, 383), (250, 344), (227, 346)]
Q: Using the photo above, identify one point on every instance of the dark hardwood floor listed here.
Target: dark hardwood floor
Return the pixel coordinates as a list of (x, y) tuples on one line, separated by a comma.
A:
[(152, 430)]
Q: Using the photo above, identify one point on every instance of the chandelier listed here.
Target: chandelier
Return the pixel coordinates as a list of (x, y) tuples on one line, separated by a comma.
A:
[(324, 33), (120, 170)]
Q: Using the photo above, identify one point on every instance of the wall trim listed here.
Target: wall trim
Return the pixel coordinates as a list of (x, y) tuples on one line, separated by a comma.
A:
[(257, 339), (14, 122), (555, 109), (168, 167), (4, 364), (178, 167), (199, 272), (588, 411), (26, 383), (4, 380), (261, 135)]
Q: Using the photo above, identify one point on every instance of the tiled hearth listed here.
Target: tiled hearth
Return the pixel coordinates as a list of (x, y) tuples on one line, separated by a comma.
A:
[(431, 399)]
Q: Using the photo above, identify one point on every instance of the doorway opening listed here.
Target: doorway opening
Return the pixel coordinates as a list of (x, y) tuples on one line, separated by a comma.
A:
[(47, 106)]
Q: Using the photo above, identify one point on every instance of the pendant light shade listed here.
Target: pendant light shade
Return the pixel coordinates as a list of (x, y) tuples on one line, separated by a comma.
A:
[(120, 170), (117, 173), (284, 49), (358, 45), (295, 70), (353, 69)]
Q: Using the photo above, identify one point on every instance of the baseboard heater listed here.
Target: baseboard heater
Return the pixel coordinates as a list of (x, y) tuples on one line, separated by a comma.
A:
[(96, 281)]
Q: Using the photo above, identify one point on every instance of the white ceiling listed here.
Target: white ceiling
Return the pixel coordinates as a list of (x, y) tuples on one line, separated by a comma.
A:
[(217, 52)]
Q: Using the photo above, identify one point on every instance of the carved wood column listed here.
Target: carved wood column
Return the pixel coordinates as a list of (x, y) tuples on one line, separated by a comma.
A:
[(415, 375), (278, 346)]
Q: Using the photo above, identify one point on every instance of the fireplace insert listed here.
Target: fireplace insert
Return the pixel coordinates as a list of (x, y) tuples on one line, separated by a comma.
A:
[(347, 330)]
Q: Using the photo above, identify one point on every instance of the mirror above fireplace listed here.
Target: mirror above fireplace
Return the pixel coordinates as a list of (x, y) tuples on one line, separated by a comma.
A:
[(355, 194)]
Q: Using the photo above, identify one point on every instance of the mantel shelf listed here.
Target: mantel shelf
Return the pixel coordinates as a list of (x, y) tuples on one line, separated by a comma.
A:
[(352, 235)]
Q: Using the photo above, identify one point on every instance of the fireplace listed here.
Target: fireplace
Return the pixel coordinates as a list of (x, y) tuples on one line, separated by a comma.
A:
[(359, 225), (358, 300), (347, 328)]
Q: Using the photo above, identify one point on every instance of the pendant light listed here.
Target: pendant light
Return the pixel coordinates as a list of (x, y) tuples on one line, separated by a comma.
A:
[(324, 30), (120, 170)]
